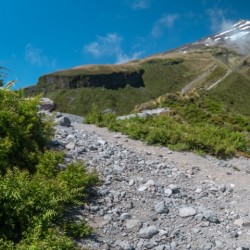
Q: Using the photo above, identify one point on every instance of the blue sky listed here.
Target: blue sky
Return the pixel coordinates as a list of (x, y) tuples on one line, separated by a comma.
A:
[(42, 36)]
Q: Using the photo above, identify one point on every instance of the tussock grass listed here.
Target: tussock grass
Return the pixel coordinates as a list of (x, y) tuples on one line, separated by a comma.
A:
[(196, 123)]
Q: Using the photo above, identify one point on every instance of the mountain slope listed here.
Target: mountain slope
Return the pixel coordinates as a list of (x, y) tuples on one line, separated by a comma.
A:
[(219, 64)]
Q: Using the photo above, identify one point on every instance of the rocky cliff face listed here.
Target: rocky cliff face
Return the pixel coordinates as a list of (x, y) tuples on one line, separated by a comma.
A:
[(113, 80)]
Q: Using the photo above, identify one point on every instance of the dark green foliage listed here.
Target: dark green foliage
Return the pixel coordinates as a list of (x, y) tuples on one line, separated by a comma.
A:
[(195, 122), (36, 203), (23, 134), (79, 101), (97, 117), (36, 195)]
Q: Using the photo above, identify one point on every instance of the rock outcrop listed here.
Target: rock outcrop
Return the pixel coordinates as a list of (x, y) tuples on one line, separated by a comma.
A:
[(47, 104), (112, 80)]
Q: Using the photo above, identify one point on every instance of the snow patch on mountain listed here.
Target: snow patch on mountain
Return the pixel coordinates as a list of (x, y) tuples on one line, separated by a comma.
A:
[(237, 36)]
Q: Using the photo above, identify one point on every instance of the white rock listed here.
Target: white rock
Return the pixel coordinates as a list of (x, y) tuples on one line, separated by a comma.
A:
[(70, 146), (187, 211), (148, 232), (131, 183), (168, 192), (239, 222)]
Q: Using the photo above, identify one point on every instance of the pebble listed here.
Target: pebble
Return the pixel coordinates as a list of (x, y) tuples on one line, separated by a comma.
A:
[(148, 232), (133, 225), (187, 211), (161, 208)]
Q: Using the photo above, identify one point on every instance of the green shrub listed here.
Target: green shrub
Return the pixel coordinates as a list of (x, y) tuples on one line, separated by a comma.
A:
[(36, 195), (29, 202), (95, 116), (196, 122), (23, 133)]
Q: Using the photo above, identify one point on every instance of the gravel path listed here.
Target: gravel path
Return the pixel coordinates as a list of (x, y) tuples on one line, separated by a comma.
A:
[(154, 198)]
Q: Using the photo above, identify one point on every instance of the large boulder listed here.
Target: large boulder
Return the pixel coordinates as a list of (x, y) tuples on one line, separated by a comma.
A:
[(47, 104)]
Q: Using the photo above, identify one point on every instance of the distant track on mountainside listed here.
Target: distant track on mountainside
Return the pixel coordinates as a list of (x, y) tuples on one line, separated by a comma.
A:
[(197, 80), (229, 71)]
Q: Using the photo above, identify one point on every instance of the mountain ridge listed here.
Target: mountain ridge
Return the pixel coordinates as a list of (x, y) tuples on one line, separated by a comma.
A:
[(215, 63)]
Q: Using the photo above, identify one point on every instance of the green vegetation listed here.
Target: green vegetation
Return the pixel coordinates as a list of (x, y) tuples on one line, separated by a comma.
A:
[(195, 122), (198, 67), (80, 101), (215, 75), (36, 195), (162, 74), (234, 91)]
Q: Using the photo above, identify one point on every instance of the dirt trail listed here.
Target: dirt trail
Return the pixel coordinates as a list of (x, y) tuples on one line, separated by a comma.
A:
[(210, 167)]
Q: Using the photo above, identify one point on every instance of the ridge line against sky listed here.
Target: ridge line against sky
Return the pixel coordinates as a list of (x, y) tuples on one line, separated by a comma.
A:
[(42, 36)]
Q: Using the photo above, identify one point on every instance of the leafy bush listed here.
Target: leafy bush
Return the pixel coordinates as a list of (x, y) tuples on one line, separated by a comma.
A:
[(195, 122), (34, 205), (95, 116), (23, 133), (36, 195)]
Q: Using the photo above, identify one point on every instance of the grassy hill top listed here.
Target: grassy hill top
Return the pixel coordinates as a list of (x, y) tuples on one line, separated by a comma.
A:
[(220, 69)]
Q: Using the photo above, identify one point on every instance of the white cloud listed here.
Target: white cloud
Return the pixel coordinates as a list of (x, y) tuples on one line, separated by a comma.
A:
[(110, 46), (104, 45), (218, 22), (36, 57), (122, 57), (140, 4), (166, 21)]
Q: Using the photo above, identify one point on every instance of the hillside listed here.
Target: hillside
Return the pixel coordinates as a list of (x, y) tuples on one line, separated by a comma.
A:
[(219, 64)]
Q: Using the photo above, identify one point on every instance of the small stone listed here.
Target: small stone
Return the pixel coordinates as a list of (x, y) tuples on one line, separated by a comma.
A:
[(160, 208), (239, 222), (203, 194), (119, 169), (163, 232), (149, 183), (173, 245), (168, 192), (70, 138), (146, 185), (210, 216), (222, 188), (131, 183), (94, 208), (187, 211), (133, 225), (153, 217), (218, 244), (207, 246), (125, 245), (142, 188), (70, 146), (93, 148), (148, 232), (58, 115), (107, 217), (64, 121), (198, 190), (205, 224), (174, 188), (101, 142), (129, 205), (196, 230), (125, 216)]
